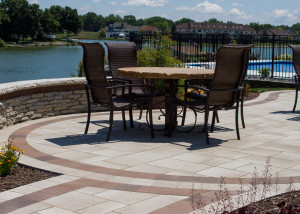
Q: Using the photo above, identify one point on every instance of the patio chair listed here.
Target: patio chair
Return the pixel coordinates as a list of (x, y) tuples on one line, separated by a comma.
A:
[(206, 83), (100, 90), (124, 54), (296, 62), (225, 90)]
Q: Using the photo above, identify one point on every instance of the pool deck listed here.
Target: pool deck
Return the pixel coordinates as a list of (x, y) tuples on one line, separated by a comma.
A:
[(136, 174)]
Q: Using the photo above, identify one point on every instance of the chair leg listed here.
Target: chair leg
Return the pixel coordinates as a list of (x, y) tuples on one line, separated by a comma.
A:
[(217, 117), (296, 98), (131, 117), (205, 126), (141, 112), (237, 120), (151, 119), (183, 116), (212, 127), (89, 111), (124, 119), (242, 110), (111, 119)]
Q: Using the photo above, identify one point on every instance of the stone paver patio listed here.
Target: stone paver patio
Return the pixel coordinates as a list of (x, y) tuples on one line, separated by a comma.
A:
[(136, 174)]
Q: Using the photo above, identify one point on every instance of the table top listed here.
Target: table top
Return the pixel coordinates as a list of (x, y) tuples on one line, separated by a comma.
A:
[(166, 72)]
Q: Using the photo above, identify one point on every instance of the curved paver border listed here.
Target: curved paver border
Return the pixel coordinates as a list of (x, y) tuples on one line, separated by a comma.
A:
[(181, 206)]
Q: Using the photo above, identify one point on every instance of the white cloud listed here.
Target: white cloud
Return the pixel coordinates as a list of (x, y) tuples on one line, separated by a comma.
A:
[(284, 14), (120, 12), (113, 3), (96, 0), (235, 4), (147, 3), (34, 2), (85, 8), (205, 7), (239, 14)]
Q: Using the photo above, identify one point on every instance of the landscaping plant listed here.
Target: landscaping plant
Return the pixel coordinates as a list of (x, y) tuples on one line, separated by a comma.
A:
[(253, 198), (9, 156)]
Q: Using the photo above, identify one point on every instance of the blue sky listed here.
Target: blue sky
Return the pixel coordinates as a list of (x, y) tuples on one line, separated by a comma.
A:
[(276, 12)]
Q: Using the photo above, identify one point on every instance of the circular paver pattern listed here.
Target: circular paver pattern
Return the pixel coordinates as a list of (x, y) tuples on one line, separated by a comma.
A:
[(152, 175)]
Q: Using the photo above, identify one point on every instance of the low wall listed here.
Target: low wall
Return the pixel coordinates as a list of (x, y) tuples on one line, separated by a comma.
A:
[(29, 100)]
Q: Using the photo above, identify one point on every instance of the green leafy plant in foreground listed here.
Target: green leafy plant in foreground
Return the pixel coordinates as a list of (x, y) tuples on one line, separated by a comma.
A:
[(264, 72), (158, 54), (9, 156)]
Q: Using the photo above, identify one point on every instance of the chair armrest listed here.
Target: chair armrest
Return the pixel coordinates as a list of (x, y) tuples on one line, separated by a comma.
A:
[(120, 79)]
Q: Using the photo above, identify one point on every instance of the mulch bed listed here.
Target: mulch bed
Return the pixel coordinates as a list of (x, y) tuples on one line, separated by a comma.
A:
[(22, 175), (251, 96), (288, 203)]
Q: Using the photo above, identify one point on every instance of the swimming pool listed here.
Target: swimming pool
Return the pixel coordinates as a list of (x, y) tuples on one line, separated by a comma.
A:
[(282, 69)]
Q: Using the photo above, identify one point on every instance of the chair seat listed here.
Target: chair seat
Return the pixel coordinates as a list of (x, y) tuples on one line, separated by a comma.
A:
[(140, 94), (123, 101)]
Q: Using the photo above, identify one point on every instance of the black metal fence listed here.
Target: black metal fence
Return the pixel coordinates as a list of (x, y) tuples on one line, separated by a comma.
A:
[(270, 57)]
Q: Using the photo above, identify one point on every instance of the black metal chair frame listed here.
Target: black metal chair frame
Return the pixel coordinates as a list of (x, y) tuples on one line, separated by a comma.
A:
[(109, 86), (296, 62)]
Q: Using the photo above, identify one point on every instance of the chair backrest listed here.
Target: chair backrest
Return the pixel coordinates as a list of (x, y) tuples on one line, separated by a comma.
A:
[(93, 66), (296, 58), (231, 68), (122, 54)]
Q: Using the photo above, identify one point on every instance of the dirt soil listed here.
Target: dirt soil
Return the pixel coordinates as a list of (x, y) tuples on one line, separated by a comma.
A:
[(22, 175)]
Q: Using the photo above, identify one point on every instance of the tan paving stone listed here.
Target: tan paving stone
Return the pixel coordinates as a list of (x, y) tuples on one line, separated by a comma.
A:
[(124, 197), (73, 201), (149, 205), (218, 172), (7, 195), (37, 207), (55, 210), (102, 208)]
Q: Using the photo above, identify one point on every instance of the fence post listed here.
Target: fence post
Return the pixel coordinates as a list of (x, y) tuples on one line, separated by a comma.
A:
[(273, 55)]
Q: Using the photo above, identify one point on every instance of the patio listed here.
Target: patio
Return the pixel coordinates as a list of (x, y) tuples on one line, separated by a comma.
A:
[(134, 173)]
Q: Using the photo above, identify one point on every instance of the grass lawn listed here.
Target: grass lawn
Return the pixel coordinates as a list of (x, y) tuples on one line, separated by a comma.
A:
[(81, 35)]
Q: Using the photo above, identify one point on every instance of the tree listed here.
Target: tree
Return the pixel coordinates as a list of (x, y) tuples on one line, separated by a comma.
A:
[(49, 23), (111, 19), (70, 20), (213, 20), (57, 11), (17, 12), (296, 28), (92, 22), (129, 19), (160, 22), (183, 20), (139, 22), (256, 26), (34, 26), (102, 33)]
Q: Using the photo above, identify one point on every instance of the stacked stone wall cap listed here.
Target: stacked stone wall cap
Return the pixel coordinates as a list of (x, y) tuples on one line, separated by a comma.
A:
[(6, 88)]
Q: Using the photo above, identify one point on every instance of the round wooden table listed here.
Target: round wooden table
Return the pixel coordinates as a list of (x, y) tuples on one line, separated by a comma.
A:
[(169, 75)]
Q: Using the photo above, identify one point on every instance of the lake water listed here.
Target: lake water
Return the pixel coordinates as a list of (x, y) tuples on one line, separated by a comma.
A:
[(17, 64)]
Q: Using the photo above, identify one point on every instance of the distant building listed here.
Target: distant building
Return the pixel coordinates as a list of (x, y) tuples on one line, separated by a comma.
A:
[(120, 30), (149, 29), (276, 32), (215, 28)]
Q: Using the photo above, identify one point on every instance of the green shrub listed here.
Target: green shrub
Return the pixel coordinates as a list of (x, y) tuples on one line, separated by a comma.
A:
[(9, 156), (264, 72), (158, 55), (2, 43)]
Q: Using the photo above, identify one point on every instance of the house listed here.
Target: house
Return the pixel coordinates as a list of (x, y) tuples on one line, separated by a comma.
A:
[(120, 30), (149, 29), (215, 28), (276, 32)]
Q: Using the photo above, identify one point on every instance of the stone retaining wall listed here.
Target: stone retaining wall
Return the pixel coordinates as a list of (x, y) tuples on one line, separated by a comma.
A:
[(29, 100)]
